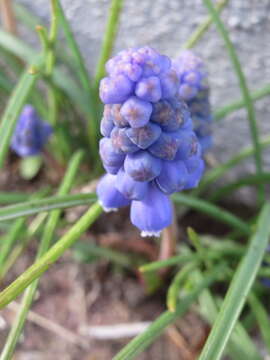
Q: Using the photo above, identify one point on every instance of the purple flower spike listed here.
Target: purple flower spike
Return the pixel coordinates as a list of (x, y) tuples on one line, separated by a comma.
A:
[(195, 168), (194, 89), (149, 89), (30, 134), (145, 136), (133, 71), (109, 197), (122, 142), (150, 148), (106, 124), (173, 177), (166, 146), (162, 113), (109, 155), (131, 189), (169, 83), (142, 166), (137, 112), (152, 214), (188, 146), (114, 90), (118, 119)]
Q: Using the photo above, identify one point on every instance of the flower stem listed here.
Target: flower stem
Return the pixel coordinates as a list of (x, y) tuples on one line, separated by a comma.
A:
[(50, 257)]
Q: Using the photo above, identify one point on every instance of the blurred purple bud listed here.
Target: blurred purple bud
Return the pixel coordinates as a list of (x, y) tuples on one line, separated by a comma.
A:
[(195, 168), (118, 119), (30, 134), (188, 146)]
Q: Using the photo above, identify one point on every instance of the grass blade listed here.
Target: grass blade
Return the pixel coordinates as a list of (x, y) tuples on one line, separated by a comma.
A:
[(48, 233), (203, 27), (239, 104), (108, 41), (38, 268), (142, 341), (246, 181), (244, 88), (261, 316), (238, 290), (211, 210), (47, 204), (219, 171)]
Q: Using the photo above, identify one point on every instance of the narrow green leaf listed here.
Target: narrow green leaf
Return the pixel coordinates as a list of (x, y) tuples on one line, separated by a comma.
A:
[(38, 268), (212, 211), (203, 27), (245, 181), (142, 341), (108, 41), (218, 172), (12, 197), (174, 288), (244, 88), (240, 346), (35, 206), (238, 290), (262, 317), (45, 242), (239, 104)]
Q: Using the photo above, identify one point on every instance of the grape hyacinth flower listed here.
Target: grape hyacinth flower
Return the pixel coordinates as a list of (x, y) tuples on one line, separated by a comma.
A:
[(31, 133), (194, 90), (149, 149)]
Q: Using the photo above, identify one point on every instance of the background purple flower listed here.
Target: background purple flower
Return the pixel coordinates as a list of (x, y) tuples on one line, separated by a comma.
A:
[(31, 133)]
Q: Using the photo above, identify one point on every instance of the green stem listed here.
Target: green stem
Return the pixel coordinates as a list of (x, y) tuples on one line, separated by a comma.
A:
[(37, 269), (92, 113), (246, 181), (108, 41), (212, 210), (244, 89), (47, 237), (51, 203), (202, 28), (142, 341), (239, 104), (219, 171), (238, 290)]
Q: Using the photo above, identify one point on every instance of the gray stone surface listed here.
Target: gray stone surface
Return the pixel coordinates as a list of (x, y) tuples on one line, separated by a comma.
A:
[(165, 25)]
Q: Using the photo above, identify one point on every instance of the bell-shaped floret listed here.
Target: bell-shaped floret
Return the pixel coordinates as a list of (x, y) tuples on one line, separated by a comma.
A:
[(152, 214), (173, 176), (109, 197)]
